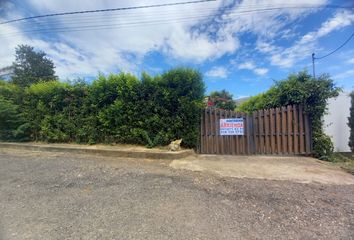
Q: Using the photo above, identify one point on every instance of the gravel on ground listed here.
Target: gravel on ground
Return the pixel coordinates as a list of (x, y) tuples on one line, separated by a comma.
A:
[(67, 196)]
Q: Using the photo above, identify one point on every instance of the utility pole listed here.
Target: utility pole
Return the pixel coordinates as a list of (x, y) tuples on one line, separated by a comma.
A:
[(313, 65)]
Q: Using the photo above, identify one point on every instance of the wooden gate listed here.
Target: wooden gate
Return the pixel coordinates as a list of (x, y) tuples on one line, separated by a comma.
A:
[(284, 130)]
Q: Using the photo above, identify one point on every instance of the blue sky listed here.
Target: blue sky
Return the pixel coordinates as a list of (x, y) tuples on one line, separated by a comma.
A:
[(237, 45)]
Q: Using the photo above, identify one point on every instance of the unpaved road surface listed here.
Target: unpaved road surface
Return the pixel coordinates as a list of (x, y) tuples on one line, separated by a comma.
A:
[(295, 168), (62, 196)]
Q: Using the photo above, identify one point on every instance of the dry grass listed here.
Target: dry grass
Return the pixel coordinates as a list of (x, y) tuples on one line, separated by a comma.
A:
[(346, 161)]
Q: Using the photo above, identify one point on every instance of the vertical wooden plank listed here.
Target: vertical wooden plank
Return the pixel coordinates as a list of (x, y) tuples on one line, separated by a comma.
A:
[(219, 138), (232, 143), (223, 138), (216, 127), (274, 132), (271, 130), (245, 145), (295, 130), (307, 134), (217, 130), (206, 131), (290, 132), (266, 130), (278, 129), (227, 138), (301, 130), (230, 137), (217, 122), (284, 130), (236, 143), (242, 138), (212, 130), (255, 131), (261, 130), (247, 132), (211, 135), (239, 138), (201, 150), (250, 134), (222, 116), (242, 141)]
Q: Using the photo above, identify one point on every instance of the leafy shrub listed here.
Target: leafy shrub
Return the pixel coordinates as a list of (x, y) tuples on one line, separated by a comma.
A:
[(322, 146)]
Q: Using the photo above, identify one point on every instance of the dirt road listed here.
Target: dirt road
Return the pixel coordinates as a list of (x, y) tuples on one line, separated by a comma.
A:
[(62, 196), (295, 168)]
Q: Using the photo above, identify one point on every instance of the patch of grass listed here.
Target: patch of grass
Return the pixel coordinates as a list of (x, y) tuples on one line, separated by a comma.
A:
[(344, 161)]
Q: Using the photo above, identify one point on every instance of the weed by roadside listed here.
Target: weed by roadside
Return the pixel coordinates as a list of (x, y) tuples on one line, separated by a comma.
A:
[(344, 161)]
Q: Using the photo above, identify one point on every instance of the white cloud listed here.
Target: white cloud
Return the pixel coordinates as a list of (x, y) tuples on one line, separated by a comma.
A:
[(185, 33), (265, 47), (266, 24), (217, 72), (142, 31), (251, 66), (199, 47), (261, 71), (351, 61), (345, 74), (247, 65), (302, 49)]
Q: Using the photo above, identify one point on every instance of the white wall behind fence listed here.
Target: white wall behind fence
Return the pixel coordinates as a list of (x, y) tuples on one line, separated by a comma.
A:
[(335, 122)]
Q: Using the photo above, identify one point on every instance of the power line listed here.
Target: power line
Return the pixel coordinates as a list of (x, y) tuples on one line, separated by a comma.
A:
[(105, 26), (267, 7), (168, 11), (57, 28), (107, 10), (335, 50), (246, 7), (99, 15)]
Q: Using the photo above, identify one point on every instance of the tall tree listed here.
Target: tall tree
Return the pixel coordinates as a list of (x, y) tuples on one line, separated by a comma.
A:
[(31, 67), (223, 99)]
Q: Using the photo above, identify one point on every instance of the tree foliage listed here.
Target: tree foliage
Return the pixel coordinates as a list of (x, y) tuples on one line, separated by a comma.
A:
[(8, 118), (304, 90), (118, 108), (351, 122), (223, 99), (31, 67)]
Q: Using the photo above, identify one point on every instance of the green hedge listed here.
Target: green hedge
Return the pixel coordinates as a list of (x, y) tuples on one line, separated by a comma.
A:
[(118, 108)]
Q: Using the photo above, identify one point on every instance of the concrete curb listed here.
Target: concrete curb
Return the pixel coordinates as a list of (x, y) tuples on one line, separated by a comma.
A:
[(100, 152)]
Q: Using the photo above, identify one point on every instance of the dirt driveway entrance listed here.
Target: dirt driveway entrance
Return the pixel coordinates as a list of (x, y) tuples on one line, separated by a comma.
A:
[(297, 169)]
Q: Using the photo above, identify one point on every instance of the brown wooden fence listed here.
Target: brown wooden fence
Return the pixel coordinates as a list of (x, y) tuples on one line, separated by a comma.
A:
[(284, 130)]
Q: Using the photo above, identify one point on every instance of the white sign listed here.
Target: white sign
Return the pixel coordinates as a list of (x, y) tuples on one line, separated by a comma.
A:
[(231, 126)]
